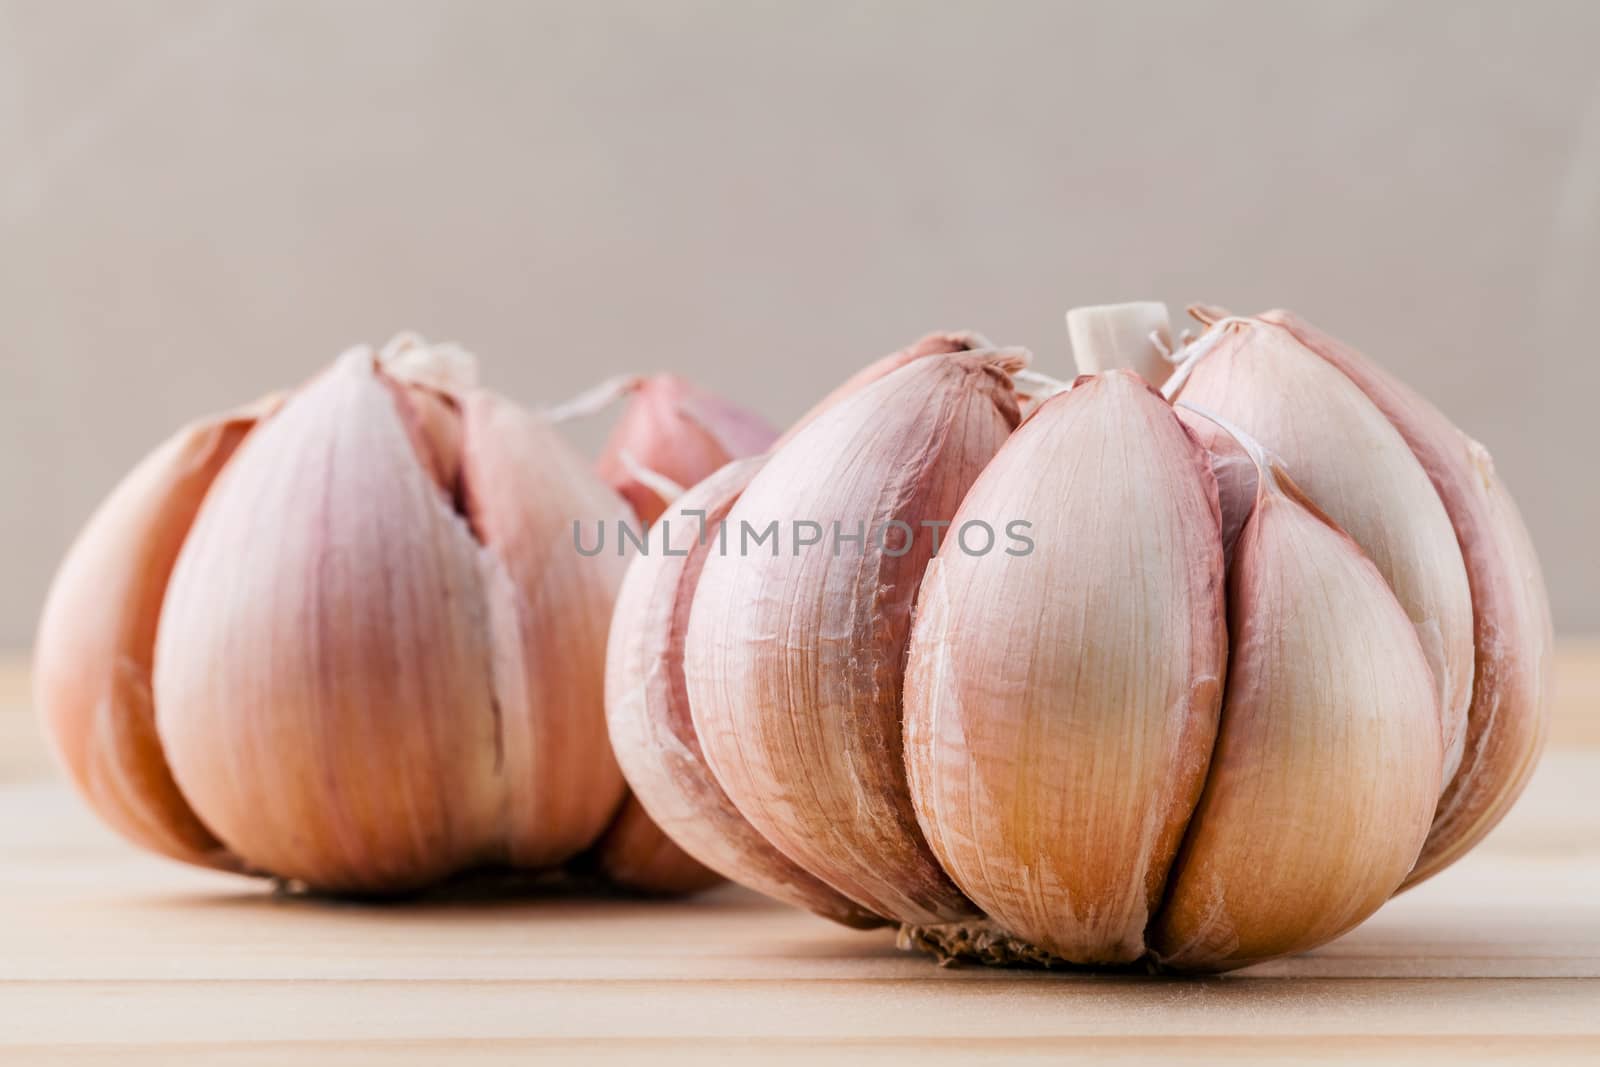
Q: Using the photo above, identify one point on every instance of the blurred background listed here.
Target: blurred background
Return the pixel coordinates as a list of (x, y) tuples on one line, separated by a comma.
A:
[(200, 201)]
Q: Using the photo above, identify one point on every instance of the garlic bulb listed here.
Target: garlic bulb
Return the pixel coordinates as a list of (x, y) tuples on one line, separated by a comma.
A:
[(793, 660), (677, 432), (1203, 712), (345, 640)]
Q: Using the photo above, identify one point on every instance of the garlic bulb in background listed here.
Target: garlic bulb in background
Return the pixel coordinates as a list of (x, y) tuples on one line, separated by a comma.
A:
[(344, 638), (671, 431)]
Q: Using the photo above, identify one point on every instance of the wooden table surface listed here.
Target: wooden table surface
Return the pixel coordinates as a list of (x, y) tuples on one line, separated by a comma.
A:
[(108, 955)]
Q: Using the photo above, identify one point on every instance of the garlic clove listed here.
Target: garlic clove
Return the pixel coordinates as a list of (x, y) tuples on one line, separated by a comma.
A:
[(1508, 717), (1136, 336), (1328, 760), (941, 343), (793, 661), (524, 489), (1345, 456), (678, 431), (1061, 704), (96, 641), (321, 675), (647, 707), (636, 855)]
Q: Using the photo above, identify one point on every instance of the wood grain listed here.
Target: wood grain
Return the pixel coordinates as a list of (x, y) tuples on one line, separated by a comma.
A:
[(111, 956)]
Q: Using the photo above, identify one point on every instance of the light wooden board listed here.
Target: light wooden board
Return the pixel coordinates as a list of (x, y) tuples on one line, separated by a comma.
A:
[(111, 956)]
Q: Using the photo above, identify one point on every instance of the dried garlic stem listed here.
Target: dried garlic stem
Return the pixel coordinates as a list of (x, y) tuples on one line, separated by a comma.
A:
[(446, 367), (1135, 336)]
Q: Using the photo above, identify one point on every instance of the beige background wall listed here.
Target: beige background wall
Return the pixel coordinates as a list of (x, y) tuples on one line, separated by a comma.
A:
[(199, 201)]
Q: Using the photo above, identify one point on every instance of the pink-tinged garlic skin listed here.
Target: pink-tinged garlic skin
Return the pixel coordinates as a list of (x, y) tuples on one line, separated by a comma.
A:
[(675, 429), (549, 611), (1347, 457), (794, 662), (1061, 706), (647, 707), (323, 664), (1328, 761), (1508, 718), (941, 343), (96, 643)]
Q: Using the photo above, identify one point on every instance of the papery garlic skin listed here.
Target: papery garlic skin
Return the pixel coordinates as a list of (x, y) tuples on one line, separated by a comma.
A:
[(1508, 719), (1061, 706), (1347, 458), (647, 706), (794, 661), (678, 431), (1328, 761), (96, 642), (941, 343)]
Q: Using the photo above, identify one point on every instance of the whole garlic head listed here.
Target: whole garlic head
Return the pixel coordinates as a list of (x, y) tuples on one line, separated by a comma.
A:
[(1261, 661), (343, 637)]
